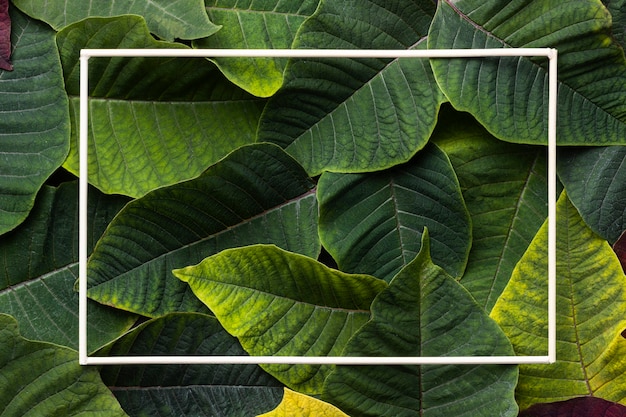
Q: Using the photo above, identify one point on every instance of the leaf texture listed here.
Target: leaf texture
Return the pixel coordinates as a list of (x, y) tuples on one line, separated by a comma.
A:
[(300, 405), (5, 36)]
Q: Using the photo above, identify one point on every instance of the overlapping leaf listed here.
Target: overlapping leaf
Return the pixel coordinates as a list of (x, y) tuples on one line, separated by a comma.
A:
[(594, 179), (40, 265), (255, 25), (510, 95), (187, 390), (414, 317), (505, 189), (279, 303), (34, 119), (257, 194), (372, 223), (42, 379), (168, 19), (576, 407), (362, 115), (153, 121), (300, 405), (591, 296)]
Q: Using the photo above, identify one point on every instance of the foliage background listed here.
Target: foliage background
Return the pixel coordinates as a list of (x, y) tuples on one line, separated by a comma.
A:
[(312, 207)]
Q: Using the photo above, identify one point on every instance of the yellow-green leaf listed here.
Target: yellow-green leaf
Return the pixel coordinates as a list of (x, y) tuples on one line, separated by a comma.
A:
[(299, 405), (591, 300)]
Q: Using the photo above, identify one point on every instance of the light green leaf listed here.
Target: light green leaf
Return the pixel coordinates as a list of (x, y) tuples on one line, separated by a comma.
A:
[(153, 121), (591, 298), (42, 379), (509, 96), (361, 115), (40, 265), (187, 390), (594, 179), (168, 19), (257, 194), (505, 189), (34, 119), (299, 405), (281, 303), (255, 25), (372, 223), (425, 312)]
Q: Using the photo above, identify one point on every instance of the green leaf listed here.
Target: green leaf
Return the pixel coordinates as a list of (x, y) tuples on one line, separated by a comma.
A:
[(153, 121), (505, 189), (42, 379), (356, 115), (40, 265), (187, 390), (576, 407), (255, 25), (34, 119), (591, 296), (281, 303), (372, 223), (414, 317), (509, 96), (168, 19), (594, 179), (257, 194), (300, 405)]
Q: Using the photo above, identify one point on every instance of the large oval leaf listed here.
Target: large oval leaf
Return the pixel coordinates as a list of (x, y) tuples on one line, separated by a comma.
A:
[(372, 223), (42, 379), (153, 121), (257, 194), (34, 119), (299, 405), (591, 298), (187, 390), (425, 312), (255, 25), (281, 303), (510, 95), (40, 266), (505, 189), (168, 19), (347, 115)]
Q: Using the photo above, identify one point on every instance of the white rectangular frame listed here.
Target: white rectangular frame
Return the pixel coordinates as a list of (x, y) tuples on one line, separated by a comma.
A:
[(549, 53)]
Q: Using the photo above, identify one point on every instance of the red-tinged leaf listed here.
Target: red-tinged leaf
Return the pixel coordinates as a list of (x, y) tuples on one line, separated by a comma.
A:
[(5, 36), (576, 407), (619, 247)]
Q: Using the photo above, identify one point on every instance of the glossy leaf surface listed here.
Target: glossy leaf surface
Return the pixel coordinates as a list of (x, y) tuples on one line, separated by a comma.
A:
[(257, 194), (281, 303), (412, 318), (591, 294), (46, 380), (300, 405), (153, 121), (372, 223), (509, 95), (187, 390)]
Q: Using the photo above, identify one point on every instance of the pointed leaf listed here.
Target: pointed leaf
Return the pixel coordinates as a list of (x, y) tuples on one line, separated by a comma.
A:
[(42, 379), (425, 312), (34, 119), (576, 407), (187, 390), (372, 223), (257, 194), (300, 405), (281, 303), (505, 189), (509, 95), (40, 265), (594, 179), (255, 25), (5, 36), (168, 19), (153, 121), (591, 296), (347, 115)]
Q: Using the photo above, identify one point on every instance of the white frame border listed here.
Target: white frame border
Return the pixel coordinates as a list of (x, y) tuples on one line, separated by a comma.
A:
[(85, 54)]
